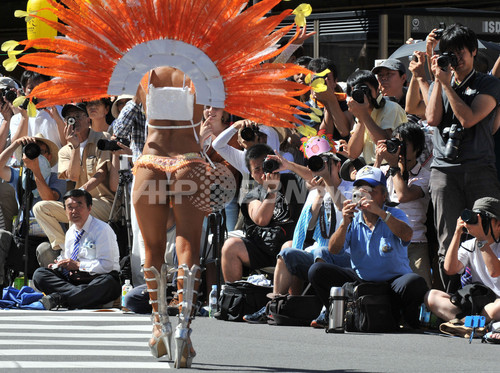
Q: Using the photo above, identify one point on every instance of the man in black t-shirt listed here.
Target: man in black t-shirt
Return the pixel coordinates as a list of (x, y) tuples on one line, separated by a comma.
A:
[(270, 213)]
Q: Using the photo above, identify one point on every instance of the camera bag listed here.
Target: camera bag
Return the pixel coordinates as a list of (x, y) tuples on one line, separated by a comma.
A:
[(472, 298), (241, 298), (368, 307), (293, 310)]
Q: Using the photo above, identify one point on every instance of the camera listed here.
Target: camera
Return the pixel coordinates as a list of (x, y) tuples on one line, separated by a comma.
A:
[(447, 58), (413, 57), (470, 217), (317, 162), (24, 105), (357, 194), (270, 165), (9, 95), (249, 133), (455, 134), (393, 144), (111, 145), (71, 122), (32, 150), (359, 91), (439, 32)]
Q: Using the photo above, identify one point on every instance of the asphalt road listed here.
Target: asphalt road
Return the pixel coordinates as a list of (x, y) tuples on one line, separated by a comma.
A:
[(85, 341)]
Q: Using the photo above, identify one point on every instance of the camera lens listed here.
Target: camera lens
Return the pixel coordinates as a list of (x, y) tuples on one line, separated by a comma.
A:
[(316, 163), (71, 121), (358, 95), (469, 216), (32, 150), (393, 145), (247, 134), (10, 96), (270, 165), (443, 61)]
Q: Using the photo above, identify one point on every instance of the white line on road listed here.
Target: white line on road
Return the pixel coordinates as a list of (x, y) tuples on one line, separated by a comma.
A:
[(15, 335), (70, 342), (139, 366), (129, 327), (58, 352), (75, 318)]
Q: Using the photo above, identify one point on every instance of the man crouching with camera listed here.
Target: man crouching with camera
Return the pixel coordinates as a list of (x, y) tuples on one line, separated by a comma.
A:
[(462, 107), (482, 255)]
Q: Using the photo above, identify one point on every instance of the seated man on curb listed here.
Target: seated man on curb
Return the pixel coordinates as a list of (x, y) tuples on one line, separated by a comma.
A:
[(318, 219), (86, 273), (481, 254), (378, 237), (270, 213)]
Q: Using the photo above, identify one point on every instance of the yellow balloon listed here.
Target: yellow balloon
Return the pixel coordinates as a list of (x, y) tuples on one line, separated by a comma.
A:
[(35, 27)]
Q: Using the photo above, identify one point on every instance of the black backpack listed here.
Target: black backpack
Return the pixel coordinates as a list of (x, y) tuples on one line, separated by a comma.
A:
[(242, 298), (294, 310)]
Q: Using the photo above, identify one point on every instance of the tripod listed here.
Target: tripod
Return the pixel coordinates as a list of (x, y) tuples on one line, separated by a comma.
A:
[(121, 203)]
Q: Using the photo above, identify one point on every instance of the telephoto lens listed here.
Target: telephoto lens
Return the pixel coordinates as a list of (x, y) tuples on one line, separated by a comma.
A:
[(270, 165), (316, 163), (32, 150)]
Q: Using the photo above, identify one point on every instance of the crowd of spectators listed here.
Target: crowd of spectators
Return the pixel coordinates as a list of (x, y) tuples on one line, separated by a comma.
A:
[(410, 155)]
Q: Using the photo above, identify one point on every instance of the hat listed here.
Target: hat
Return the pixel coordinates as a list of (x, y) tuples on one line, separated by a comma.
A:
[(489, 205), (79, 105), (373, 176), (391, 64), (114, 108), (6, 82), (53, 149), (358, 163)]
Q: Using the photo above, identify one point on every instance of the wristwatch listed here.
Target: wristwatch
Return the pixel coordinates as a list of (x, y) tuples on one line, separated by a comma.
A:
[(393, 170), (481, 244)]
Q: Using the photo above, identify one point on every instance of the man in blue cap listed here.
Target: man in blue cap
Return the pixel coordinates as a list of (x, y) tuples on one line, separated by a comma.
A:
[(378, 237)]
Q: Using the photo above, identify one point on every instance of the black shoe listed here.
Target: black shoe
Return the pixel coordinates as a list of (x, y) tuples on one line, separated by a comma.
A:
[(258, 317), (52, 301)]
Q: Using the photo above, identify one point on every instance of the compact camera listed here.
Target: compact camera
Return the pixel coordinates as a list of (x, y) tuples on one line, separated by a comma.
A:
[(447, 58), (357, 194), (439, 32), (470, 217), (454, 134), (111, 145)]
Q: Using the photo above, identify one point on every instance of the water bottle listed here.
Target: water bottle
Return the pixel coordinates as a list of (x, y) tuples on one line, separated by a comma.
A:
[(125, 290), (425, 316), (213, 302), (336, 315)]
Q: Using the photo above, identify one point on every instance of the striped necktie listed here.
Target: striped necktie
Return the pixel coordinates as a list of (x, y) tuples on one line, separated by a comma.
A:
[(76, 244)]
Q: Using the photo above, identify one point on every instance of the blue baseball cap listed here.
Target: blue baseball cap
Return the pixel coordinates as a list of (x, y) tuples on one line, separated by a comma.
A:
[(373, 176)]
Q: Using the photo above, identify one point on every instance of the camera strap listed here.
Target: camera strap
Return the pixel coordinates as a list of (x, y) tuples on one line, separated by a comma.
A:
[(331, 216), (461, 85)]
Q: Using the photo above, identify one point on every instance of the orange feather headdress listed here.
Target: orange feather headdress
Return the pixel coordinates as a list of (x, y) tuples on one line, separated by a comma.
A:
[(109, 45)]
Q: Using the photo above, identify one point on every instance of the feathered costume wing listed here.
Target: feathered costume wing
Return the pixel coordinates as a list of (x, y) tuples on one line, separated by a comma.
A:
[(109, 45)]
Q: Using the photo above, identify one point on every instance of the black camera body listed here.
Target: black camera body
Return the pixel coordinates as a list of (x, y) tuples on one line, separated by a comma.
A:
[(393, 145), (454, 134), (249, 133), (317, 162), (470, 217), (111, 145), (32, 150), (24, 105), (445, 59), (8, 95), (270, 165), (359, 91), (439, 32)]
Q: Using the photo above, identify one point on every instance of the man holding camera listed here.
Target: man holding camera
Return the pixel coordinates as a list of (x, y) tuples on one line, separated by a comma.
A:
[(270, 213), (481, 254), (462, 106), (376, 116), (82, 162), (378, 237)]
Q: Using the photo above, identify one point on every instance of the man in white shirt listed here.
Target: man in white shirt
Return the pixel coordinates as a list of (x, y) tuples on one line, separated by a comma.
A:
[(481, 255), (86, 273)]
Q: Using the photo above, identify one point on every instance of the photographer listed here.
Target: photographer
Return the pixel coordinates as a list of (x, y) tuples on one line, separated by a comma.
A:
[(376, 116), (462, 106), (90, 168), (481, 254), (408, 185), (270, 213)]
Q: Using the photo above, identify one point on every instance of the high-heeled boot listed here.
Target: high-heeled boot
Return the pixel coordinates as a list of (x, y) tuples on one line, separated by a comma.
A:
[(162, 343), (184, 350)]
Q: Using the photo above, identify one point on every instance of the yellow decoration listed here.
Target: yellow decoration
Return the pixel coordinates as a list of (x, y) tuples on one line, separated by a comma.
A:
[(23, 14), (31, 110), (35, 27), (18, 101), (316, 111), (315, 118), (323, 73), (319, 85), (301, 12), (10, 63), (306, 131), (9, 45)]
